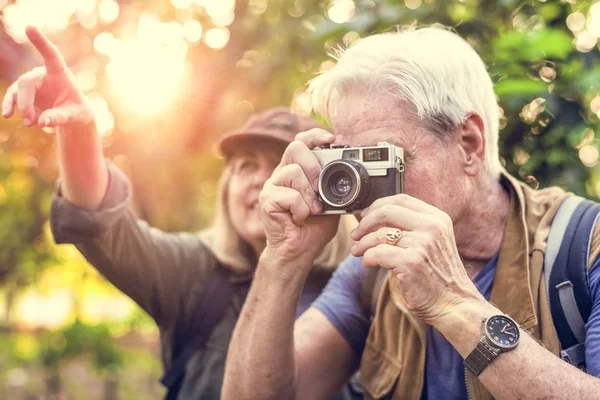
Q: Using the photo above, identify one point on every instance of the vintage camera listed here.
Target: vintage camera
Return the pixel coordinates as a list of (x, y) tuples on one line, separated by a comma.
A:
[(352, 178)]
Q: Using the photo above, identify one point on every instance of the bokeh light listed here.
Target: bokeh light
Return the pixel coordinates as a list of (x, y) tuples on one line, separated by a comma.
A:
[(585, 41), (301, 103), (530, 111), (216, 38), (108, 11), (257, 7), (216, 8), (576, 21), (105, 121), (589, 155), (595, 104), (145, 70), (103, 42), (181, 4), (341, 11), (547, 74), (350, 38), (46, 15), (224, 19), (50, 311), (192, 30), (521, 156), (326, 65), (86, 80), (412, 4)]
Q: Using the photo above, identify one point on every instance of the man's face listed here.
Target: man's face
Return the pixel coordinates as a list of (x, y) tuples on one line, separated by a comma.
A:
[(433, 170)]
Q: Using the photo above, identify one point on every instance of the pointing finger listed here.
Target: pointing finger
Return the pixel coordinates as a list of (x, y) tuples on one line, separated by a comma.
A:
[(53, 60)]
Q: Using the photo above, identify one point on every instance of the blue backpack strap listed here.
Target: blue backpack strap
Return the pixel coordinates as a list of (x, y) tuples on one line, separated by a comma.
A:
[(566, 274)]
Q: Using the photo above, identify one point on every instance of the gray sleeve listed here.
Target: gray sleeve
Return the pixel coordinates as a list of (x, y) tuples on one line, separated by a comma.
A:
[(341, 303), (152, 267)]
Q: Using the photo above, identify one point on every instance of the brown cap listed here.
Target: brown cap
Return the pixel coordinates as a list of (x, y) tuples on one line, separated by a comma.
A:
[(276, 124)]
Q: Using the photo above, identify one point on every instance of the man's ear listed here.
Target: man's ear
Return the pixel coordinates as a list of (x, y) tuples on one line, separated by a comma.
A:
[(471, 141)]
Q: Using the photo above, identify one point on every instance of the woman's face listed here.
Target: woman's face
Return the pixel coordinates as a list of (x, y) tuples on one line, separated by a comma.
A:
[(250, 170)]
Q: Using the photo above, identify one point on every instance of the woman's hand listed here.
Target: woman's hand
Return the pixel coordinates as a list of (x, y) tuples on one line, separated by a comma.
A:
[(289, 198), (47, 96), (50, 98)]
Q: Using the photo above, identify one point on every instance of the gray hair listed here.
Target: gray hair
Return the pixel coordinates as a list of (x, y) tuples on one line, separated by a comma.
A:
[(432, 68)]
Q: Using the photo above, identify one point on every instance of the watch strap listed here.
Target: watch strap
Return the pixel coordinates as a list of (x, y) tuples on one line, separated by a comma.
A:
[(480, 357)]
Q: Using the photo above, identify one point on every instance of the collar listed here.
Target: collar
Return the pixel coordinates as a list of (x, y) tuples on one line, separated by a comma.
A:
[(511, 291)]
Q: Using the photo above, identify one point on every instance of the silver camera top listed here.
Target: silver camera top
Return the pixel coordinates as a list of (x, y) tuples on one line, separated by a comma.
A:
[(376, 159)]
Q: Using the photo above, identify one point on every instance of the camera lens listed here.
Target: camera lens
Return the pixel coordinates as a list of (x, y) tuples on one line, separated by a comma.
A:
[(344, 184), (340, 183)]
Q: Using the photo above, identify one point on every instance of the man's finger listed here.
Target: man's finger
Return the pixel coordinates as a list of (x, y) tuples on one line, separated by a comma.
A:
[(277, 199), (403, 200), (397, 259), (389, 216), (293, 176), (53, 60), (298, 153), (315, 137)]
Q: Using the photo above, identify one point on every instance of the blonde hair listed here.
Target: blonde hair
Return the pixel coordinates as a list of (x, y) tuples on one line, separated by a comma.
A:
[(234, 253)]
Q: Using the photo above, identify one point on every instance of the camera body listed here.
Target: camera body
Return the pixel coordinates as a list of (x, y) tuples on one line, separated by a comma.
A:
[(352, 178)]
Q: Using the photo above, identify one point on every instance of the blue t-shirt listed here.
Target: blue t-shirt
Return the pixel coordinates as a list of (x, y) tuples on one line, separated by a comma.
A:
[(444, 376)]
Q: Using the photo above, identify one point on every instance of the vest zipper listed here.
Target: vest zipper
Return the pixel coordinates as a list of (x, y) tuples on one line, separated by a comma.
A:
[(422, 339), (467, 385)]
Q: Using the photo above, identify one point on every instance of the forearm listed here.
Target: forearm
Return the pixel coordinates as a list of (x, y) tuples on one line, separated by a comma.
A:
[(528, 371), (84, 175), (261, 361)]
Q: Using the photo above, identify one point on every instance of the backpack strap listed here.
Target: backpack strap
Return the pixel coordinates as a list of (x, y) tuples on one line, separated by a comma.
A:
[(566, 274), (209, 308)]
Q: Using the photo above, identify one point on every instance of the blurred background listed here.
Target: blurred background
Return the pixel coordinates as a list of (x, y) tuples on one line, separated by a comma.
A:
[(168, 77)]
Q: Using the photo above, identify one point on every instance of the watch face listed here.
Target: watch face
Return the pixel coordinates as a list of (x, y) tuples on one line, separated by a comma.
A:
[(502, 331)]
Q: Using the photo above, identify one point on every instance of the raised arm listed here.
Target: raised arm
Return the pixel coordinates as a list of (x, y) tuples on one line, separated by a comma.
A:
[(91, 210), (49, 97), (269, 358)]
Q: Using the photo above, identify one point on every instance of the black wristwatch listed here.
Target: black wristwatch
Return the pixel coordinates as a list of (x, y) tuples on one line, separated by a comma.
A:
[(499, 333)]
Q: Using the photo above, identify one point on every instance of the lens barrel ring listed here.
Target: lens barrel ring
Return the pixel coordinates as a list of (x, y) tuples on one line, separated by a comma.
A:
[(359, 181)]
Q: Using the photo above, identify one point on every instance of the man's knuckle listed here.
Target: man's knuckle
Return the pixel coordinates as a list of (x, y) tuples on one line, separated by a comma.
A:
[(293, 170), (402, 198), (295, 147), (384, 214)]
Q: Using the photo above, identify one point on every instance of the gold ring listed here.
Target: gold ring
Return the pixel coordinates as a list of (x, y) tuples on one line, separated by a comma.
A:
[(393, 236)]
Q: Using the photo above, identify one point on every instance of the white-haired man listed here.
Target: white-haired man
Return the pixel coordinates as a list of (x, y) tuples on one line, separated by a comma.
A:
[(466, 256)]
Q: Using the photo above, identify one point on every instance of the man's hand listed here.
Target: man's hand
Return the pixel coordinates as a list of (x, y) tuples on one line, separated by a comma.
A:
[(289, 198), (47, 96), (425, 260)]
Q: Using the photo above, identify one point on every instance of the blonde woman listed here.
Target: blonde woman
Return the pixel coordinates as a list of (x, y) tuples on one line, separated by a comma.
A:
[(193, 285)]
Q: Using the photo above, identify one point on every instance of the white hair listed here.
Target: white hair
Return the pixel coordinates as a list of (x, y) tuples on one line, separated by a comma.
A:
[(432, 68)]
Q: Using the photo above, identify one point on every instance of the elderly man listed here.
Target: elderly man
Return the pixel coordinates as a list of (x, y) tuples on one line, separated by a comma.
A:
[(465, 260)]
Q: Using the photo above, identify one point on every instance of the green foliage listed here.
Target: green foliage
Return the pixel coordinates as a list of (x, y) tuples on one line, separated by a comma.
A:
[(78, 339)]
